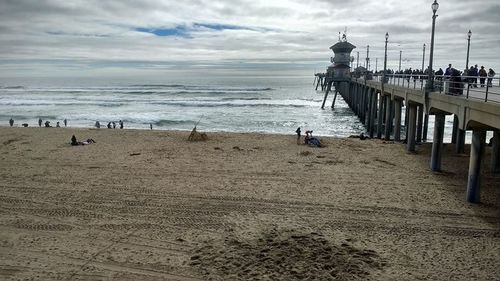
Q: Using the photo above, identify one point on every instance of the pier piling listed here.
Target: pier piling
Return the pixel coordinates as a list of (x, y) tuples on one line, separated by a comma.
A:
[(476, 157), (437, 142)]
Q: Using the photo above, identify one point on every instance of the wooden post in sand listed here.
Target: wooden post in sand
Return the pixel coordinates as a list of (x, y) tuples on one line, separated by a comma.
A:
[(412, 120), (317, 83), (476, 157), (495, 153), (437, 142)]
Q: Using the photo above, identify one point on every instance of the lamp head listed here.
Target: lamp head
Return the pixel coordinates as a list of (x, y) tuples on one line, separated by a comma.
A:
[(435, 6), (387, 36), (469, 34)]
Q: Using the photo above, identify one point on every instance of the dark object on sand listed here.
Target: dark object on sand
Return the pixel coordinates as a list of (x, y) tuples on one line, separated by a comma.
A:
[(47, 124), (11, 122), (360, 136), (25, 125), (195, 136), (75, 142)]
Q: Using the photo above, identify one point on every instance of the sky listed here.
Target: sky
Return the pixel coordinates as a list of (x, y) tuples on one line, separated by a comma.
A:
[(99, 38)]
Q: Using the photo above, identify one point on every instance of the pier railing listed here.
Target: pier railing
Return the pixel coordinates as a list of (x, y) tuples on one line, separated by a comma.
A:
[(469, 87)]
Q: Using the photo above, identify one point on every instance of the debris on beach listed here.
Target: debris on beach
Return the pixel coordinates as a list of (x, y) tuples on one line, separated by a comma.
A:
[(195, 136), (284, 255)]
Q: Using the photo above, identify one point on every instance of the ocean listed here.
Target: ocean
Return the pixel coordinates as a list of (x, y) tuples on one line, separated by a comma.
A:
[(276, 105), (273, 105)]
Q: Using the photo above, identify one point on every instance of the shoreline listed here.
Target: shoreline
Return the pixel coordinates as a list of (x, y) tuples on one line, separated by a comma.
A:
[(152, 205)]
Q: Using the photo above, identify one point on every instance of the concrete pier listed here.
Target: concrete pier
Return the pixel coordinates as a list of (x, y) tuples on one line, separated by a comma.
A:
[(475, 163), (378, 106), (437, 143)]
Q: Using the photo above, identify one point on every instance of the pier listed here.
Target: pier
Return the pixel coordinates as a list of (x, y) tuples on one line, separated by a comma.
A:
[(379, 107)]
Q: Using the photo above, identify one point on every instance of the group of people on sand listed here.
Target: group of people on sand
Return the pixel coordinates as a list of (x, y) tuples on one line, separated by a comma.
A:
[(110, 125), (40, 122), (308, 139)]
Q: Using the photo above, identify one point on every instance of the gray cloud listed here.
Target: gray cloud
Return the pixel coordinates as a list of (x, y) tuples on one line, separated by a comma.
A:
[(69, 37)]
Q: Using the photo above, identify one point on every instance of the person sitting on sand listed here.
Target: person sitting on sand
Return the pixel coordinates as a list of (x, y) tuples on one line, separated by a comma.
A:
[(47, 124), (312, 141), (75, 142)]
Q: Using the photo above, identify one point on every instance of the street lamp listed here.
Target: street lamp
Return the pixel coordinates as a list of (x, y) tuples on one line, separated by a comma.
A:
[(385, 57), (423, 58), (469, 34), (400, 53), (430, 81)]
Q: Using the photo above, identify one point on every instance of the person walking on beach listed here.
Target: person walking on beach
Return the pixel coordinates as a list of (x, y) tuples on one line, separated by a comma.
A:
[(65, 123), (39, 122), (109, 125), (151, 126), (114, 124), (482, 76), (121, 124), (11, 122), (491, 74), (97, 124), (298, 135)]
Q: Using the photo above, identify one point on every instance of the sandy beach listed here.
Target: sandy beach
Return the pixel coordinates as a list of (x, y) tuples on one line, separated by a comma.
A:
[(149, 205)]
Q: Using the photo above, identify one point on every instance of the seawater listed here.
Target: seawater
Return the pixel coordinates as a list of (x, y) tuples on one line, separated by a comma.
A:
[(276, 105), (238, 104)]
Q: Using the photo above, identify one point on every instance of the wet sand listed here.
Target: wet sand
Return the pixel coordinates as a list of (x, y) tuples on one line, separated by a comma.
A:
[(149, 205)]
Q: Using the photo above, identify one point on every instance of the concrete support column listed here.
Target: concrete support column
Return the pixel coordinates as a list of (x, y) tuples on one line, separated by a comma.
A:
[(373, 112), (437, 142), (495, 153), (475, 163), (426, 125), (420, 123), (388, 119), (380, 115), (412, 124), (397, 120), (460, 145), (455, 129)]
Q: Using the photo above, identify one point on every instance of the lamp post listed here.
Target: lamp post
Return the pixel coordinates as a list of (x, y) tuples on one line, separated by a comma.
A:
[(400, 54), (385, 57), (423, 59), (469, 34), (367, 57), (430, 81)]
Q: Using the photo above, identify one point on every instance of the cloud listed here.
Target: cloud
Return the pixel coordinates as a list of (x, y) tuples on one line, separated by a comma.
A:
[(56, 37)]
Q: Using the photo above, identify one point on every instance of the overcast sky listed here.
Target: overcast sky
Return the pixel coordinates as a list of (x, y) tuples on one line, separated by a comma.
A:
[(227, 37)]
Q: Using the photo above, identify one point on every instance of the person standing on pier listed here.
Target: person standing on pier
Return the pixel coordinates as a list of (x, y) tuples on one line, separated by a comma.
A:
[(474, 72), (482, 76), (491, 74)]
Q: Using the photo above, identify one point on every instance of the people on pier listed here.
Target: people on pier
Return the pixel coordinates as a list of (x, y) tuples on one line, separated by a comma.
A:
[(474, 72), (447, 72), (491, 74), (482, 76)]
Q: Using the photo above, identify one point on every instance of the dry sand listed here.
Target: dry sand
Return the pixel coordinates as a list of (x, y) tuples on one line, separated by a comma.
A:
[(149, 205)]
